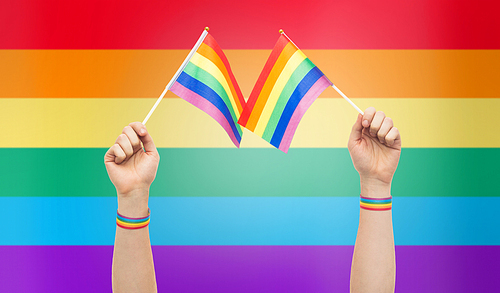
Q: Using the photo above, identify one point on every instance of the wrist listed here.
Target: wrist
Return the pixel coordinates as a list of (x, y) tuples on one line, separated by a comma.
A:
[(374, 188), (134, 204)]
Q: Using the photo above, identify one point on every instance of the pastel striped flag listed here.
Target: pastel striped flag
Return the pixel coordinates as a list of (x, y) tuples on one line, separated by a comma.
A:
[(286, 88), (208, 83)]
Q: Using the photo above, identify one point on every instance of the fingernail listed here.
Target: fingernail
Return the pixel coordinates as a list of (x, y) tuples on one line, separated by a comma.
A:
[(365, 123), (143, 131)]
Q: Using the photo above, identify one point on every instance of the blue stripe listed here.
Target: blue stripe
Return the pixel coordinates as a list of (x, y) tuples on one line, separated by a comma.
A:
[(248, 220), (210, 95), (300, 91), (142, 220), (376, 201)]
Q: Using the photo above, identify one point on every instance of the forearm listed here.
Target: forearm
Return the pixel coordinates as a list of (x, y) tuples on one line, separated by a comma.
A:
[(373, 263), (133, 268)]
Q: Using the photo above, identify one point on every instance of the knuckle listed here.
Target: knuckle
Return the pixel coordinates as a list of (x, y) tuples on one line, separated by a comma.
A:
[(380, 115), (126, 128), (369, 112), (133, 124), (118, 151)]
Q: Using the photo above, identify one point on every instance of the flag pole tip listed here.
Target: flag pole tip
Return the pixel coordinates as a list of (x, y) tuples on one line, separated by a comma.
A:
[(207, 28), (281, 31)]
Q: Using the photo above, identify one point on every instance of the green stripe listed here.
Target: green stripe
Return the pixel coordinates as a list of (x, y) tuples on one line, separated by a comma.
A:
[(206, 78), (296, 77), (250, 172)]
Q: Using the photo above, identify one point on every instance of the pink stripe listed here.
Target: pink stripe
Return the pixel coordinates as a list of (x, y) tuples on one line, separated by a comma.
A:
[(301, 109), (204, 105)]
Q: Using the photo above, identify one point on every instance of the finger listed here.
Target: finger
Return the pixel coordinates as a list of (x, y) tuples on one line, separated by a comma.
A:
[(125, 144), (387, 124), (133, 138), (367, 118), (357, 129), (115, 154), (139, 128), (393, 138), (376, 123), (147, 140)]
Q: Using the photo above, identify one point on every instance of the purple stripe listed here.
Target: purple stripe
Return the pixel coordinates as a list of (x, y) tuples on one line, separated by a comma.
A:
[(143, 218), (301, 109), (248, 268), (209, 108)]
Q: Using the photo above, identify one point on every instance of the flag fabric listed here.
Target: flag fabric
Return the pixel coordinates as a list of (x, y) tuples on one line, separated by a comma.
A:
[(287, 86), (208, 83)]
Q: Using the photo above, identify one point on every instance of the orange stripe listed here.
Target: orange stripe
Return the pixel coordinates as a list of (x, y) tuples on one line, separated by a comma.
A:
[(285, 55), (145, 73), (209, 53)]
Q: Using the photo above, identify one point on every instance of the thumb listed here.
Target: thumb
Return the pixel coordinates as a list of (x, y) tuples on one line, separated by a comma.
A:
[(147, 141), (357, 130)]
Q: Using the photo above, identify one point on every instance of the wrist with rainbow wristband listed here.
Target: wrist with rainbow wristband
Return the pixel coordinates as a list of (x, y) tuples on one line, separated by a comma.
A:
[(375, 204), (131, 223)]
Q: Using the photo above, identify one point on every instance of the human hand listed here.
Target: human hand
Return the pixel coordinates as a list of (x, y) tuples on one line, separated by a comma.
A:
[(375, 147), (131, 168)]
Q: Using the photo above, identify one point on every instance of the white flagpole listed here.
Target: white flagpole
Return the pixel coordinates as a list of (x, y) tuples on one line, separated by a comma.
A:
[(183, 65), (334, 87), (347, 99)]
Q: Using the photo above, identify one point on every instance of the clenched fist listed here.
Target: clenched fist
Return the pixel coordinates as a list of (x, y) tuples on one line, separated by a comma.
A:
[(132, 163), (375, 147)]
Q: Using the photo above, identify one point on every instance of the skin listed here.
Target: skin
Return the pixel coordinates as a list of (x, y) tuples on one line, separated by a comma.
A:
[(132, 169), (375, 147)]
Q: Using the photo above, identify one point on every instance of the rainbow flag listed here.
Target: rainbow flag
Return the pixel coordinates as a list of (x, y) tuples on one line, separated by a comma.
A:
[(287, 86), (208, 83), (212, 228)]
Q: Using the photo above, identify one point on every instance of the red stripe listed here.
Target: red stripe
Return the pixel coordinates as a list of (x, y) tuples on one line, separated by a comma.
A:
[(210, 41), (375, 209), (280, 45), (252, 24), (131, 228)]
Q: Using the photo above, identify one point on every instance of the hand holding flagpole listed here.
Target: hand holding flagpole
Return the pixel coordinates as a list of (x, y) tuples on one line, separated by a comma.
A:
[(334, 87), (174, 78)]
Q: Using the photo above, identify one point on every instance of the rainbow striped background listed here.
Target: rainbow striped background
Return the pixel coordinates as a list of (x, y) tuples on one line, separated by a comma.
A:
[(73, 73)]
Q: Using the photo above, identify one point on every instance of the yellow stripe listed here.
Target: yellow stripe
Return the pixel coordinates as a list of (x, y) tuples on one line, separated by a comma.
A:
[(276, 70), (376, 205), (210, 54), (288, 70), (132, 224), (92, 122), (207, 65)]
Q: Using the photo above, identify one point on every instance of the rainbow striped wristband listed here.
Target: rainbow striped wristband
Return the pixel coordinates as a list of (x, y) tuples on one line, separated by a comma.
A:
[(131, 223), (376, 204)]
